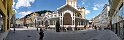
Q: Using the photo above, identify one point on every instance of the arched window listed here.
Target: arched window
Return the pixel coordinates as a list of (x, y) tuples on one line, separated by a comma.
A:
[(67, 19)]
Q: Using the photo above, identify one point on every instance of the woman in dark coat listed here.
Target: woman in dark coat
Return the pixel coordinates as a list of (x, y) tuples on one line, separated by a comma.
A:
[(95, 27), (41, 34)]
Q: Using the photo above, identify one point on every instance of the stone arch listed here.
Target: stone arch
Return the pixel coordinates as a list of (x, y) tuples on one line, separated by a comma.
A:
[(68, 11), (2, 20)]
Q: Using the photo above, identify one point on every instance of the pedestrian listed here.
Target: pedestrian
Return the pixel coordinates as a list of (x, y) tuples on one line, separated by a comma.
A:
[(100, 28), (85, 27), (64, 29), (41, 34), (1, 28), (27, 26), (95, 27)]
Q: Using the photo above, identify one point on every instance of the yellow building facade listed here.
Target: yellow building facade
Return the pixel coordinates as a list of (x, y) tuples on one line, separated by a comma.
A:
[(6, 12)]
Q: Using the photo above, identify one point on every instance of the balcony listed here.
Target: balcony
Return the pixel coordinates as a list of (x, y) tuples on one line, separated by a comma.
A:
[(114, 5)]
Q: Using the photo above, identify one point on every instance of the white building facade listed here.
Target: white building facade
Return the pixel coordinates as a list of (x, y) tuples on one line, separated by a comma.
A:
[(102, 20), (68, 15)]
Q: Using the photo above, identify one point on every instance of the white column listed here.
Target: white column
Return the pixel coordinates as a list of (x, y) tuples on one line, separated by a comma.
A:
[(62, 19), (49, 22), (74, 19), (55, 22)]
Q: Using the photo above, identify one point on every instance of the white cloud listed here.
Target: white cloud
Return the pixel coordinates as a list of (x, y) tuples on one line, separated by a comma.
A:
[(22, 14), (13, 4), (13, 7), (15, 10), (99, 5), (87, 11), (82, 2), (93, 16), (96, 6), (24, 3)]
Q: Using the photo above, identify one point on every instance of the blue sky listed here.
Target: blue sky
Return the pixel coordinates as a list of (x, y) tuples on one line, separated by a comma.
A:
[(24, 7)]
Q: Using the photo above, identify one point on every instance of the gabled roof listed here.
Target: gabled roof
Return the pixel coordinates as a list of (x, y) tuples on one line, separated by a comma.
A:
[(66, 5)]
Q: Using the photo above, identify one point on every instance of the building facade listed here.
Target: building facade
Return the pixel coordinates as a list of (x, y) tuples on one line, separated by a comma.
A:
[(68, 15), (96, 21), (117, 17), (31, 19), (102, 19)]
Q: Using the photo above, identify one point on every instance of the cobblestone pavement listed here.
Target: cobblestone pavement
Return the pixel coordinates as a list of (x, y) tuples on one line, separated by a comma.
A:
[(23, 34), (32, 34), (81, 35)]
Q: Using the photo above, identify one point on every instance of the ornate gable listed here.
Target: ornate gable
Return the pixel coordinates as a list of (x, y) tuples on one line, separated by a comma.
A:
[(67, 7)]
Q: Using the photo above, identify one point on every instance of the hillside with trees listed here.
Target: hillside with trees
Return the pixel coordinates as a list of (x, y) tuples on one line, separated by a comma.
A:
[(40, 12)]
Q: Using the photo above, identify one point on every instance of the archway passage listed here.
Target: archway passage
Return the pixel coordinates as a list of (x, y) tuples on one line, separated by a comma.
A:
[(67, 20), (1, 22)]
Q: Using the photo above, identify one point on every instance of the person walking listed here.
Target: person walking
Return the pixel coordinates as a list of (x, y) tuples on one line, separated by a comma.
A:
[(85, 27), (41, 34), (1, 28), (27, 26), (95, 27)]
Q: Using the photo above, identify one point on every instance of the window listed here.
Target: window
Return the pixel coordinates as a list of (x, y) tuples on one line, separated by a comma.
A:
[(55, 15), (61, 22), (61, 14), (53, 22)]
